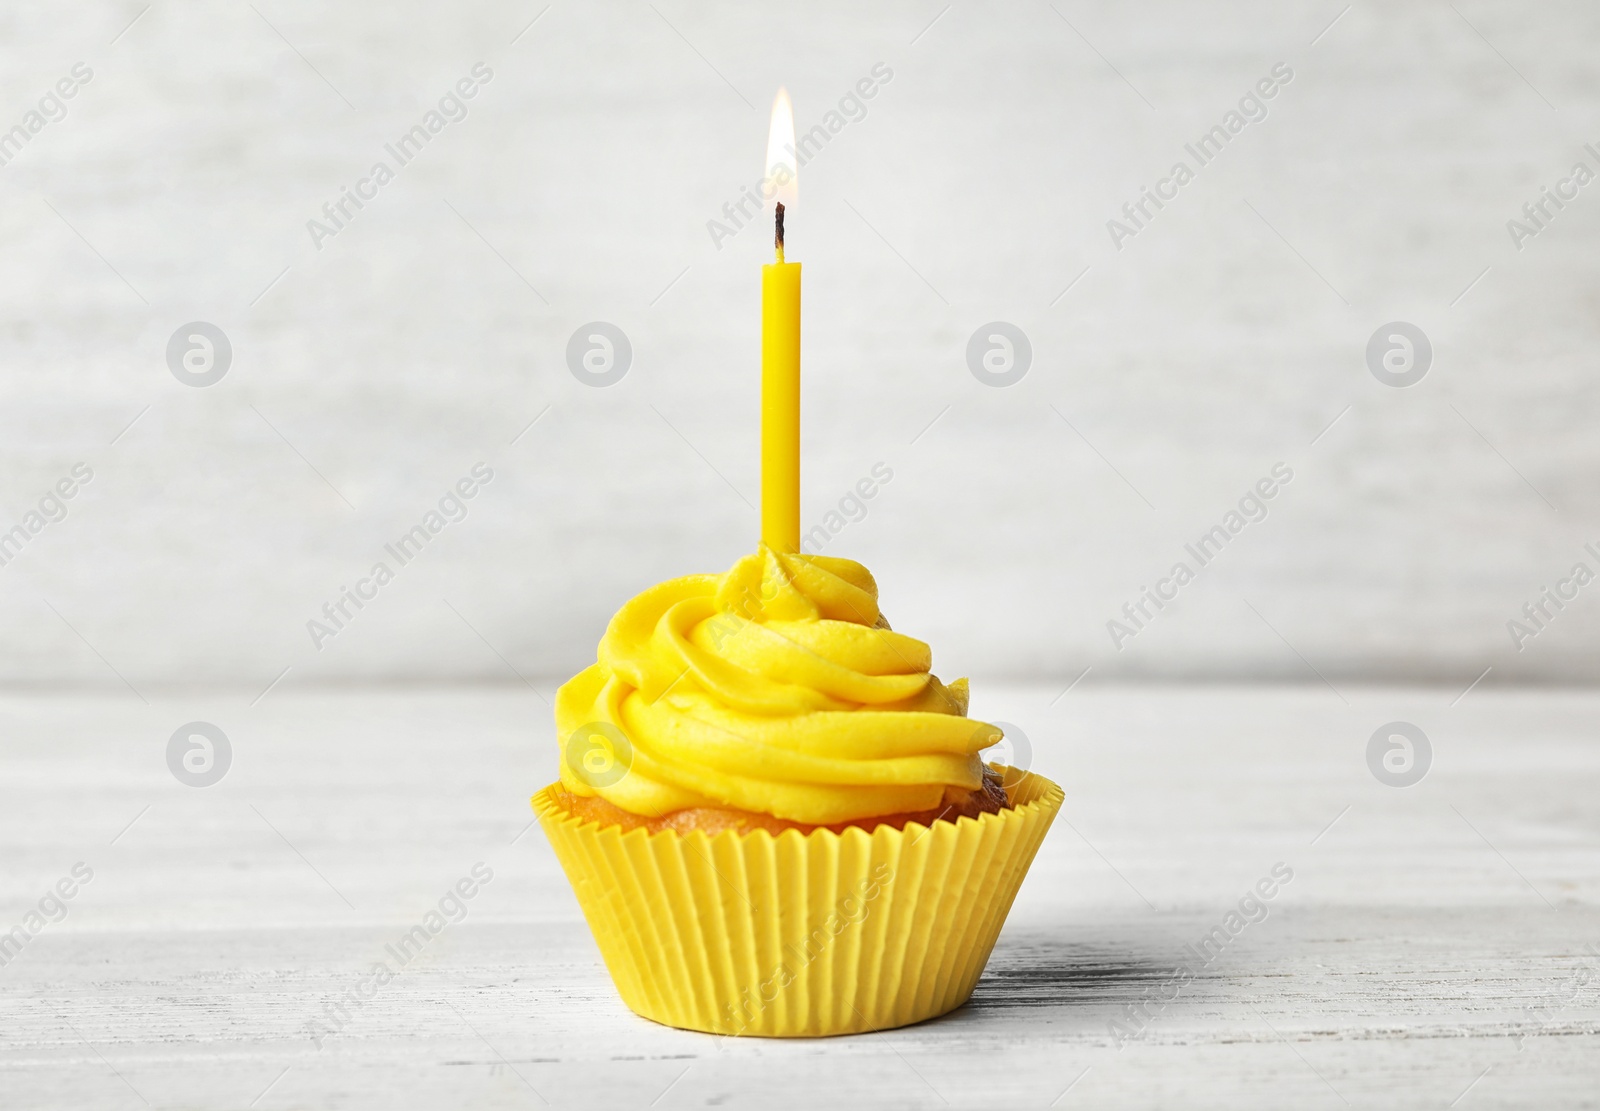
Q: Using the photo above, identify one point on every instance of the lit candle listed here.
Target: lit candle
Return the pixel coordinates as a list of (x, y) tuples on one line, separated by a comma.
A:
[(780, 352)]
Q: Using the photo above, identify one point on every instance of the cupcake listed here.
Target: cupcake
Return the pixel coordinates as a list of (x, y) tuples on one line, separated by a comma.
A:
[(776, 819)]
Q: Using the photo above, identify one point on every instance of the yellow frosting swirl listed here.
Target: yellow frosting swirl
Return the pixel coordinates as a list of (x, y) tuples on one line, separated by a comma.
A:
[(776, 688)]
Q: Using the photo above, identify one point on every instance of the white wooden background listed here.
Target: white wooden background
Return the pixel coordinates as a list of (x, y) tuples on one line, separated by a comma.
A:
[(1423, 956), (430, 332)]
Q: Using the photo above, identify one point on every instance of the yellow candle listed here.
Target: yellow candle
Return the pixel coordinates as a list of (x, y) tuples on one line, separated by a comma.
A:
[(780, 351), (780, 406)]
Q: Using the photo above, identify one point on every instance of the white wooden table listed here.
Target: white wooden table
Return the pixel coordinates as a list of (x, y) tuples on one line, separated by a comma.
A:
[(1437, 943)]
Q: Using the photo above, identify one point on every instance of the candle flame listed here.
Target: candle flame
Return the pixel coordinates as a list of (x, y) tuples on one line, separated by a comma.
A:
[(781, 176)]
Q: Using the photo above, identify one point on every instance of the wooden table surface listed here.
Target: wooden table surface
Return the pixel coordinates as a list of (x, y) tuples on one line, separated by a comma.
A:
[(1437, 946)]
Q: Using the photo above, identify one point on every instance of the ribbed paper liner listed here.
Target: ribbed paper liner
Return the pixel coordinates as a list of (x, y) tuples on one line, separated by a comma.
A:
[(790, 936)]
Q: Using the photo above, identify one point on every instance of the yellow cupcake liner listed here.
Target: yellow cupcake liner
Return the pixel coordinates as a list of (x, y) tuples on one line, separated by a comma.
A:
[(801, 935)]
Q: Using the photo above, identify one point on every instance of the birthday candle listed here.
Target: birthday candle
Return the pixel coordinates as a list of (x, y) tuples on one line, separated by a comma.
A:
[(780, 353)]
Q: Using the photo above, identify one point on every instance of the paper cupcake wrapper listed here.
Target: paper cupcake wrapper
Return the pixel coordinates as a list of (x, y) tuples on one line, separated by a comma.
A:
[(801, 935)]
